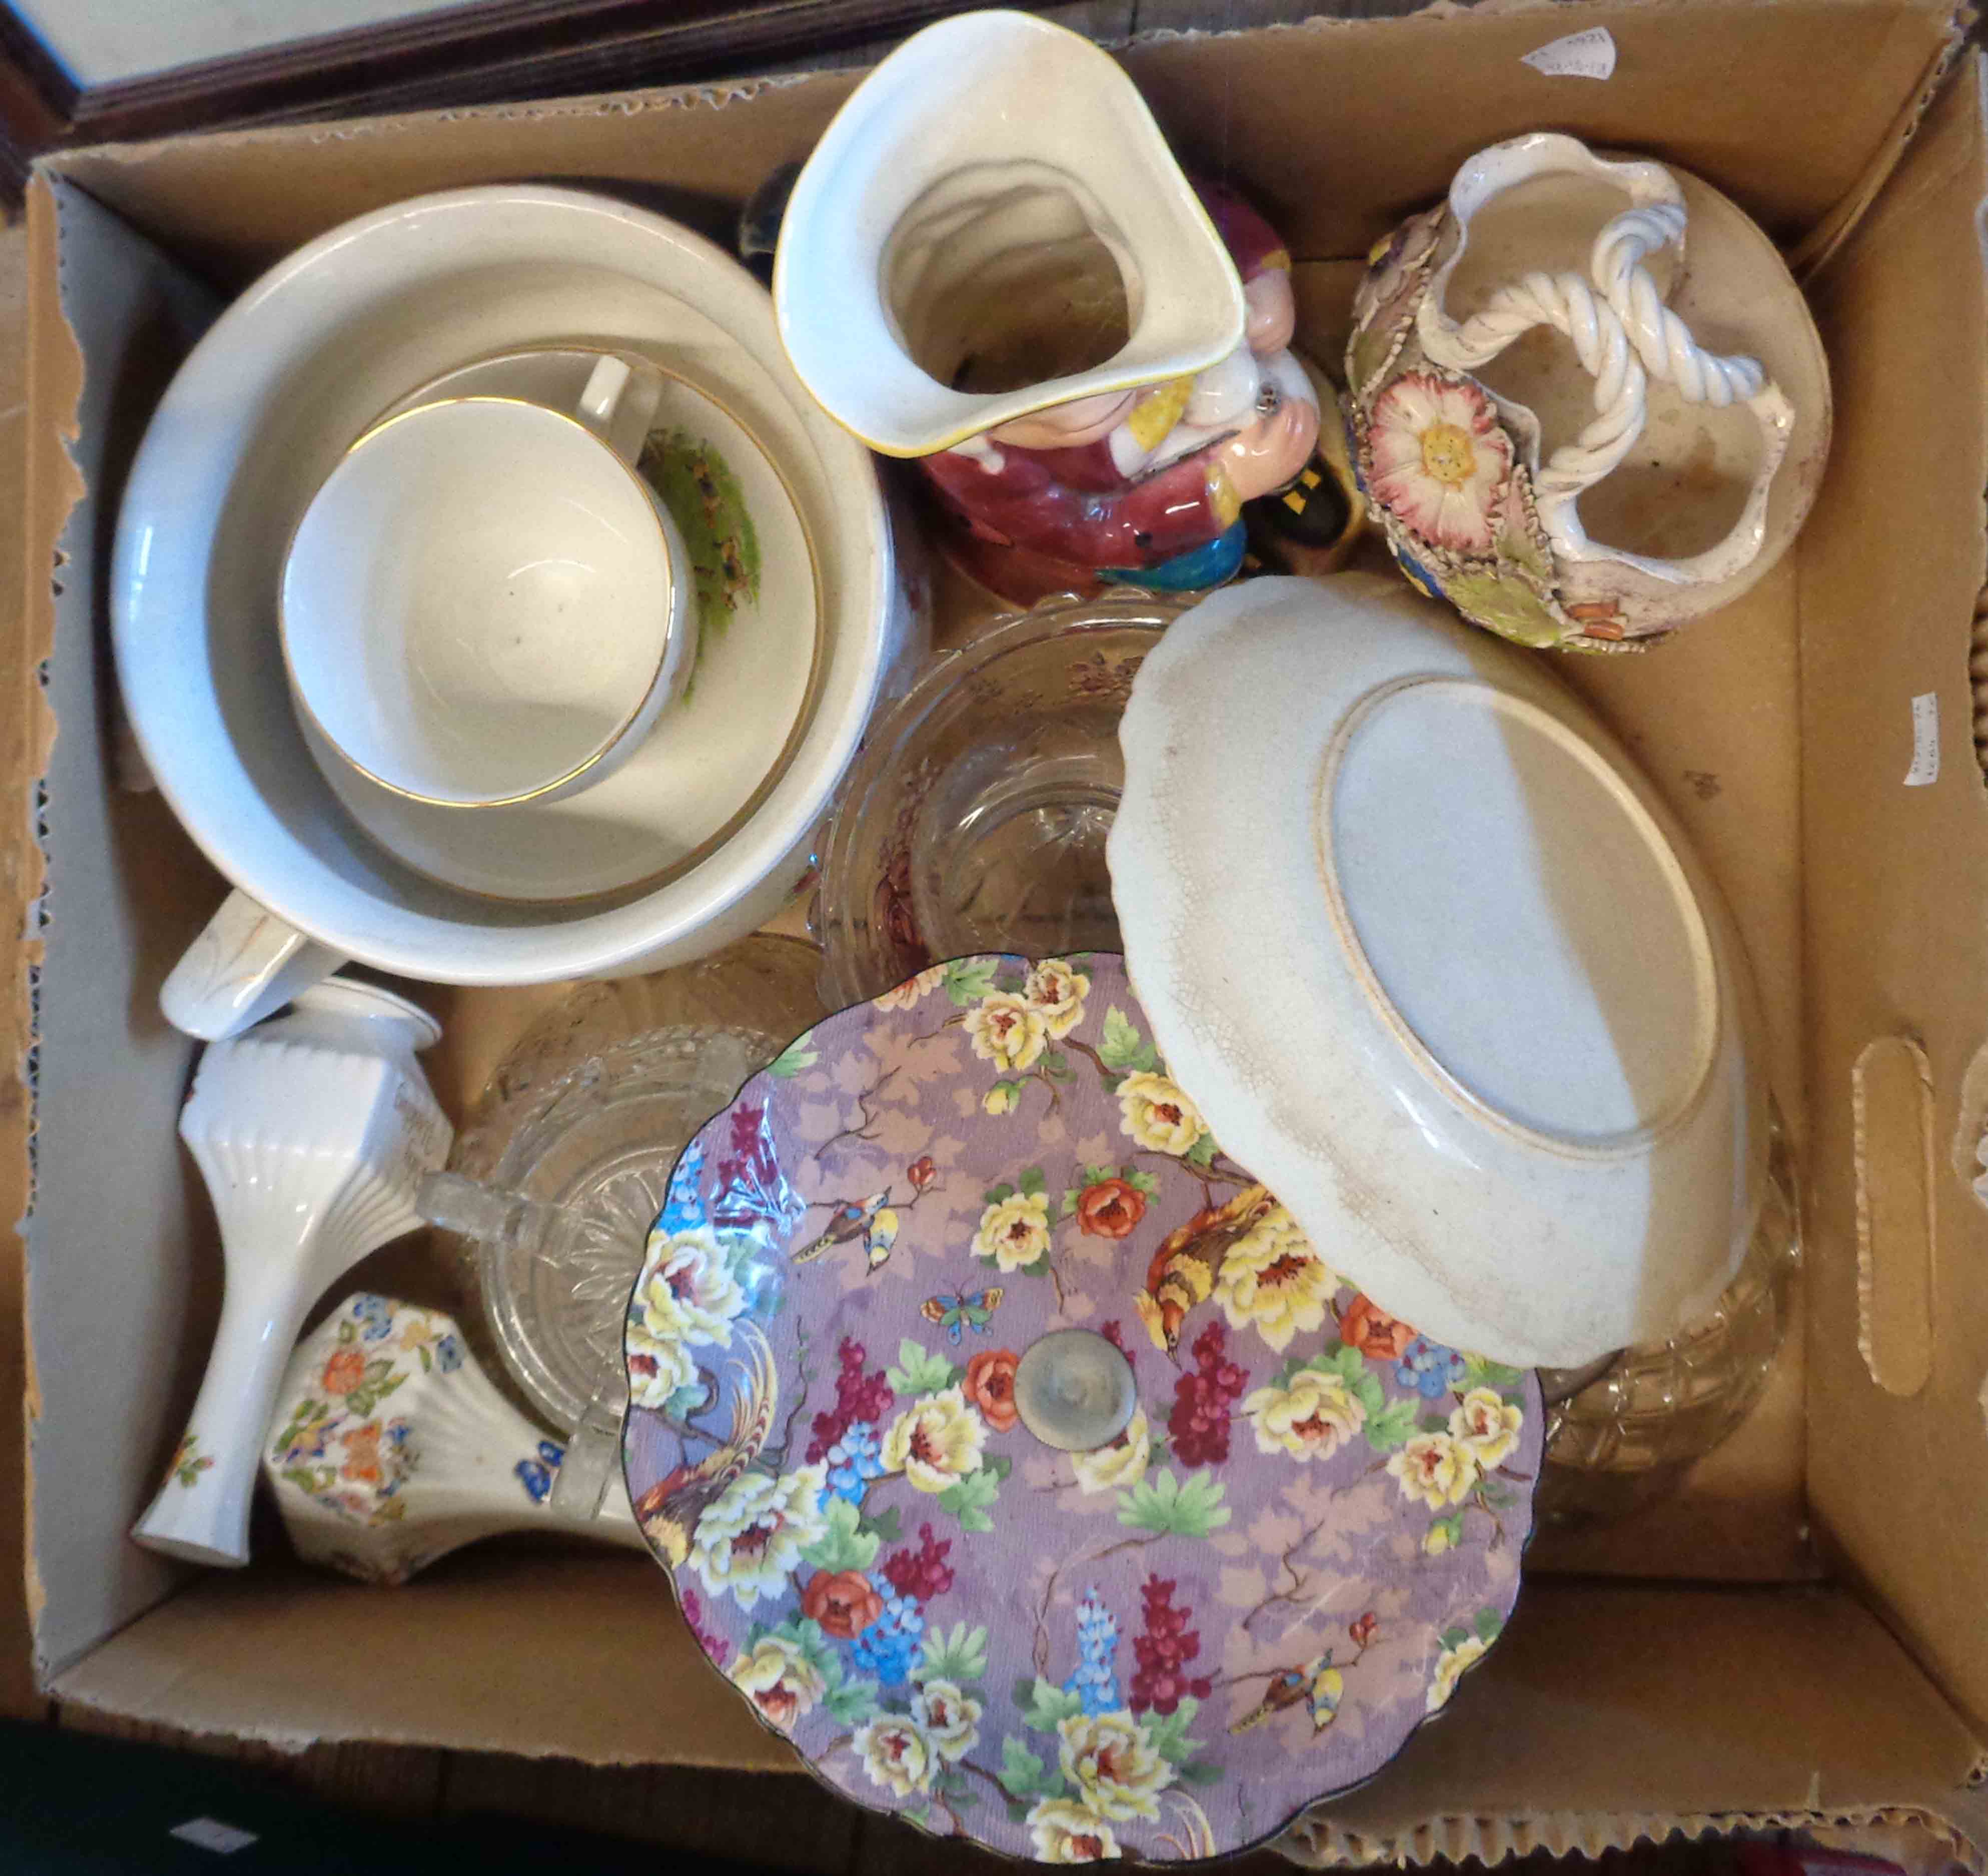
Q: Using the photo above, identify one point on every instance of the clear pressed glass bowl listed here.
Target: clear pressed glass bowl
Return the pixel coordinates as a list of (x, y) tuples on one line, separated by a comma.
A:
[(1619, 1440), (975, 820), (562, 1167)]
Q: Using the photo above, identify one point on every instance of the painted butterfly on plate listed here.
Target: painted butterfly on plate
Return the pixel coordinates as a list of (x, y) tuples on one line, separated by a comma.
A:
[(975, 1310), (536, 1474)]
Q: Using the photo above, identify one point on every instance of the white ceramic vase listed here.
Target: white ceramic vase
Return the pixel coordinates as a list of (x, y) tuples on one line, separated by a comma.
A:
[(390, 1447), (312, 1132)]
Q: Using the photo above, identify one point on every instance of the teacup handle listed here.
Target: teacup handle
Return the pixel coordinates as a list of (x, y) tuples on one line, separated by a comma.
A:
[(245, 965), (618, 402)]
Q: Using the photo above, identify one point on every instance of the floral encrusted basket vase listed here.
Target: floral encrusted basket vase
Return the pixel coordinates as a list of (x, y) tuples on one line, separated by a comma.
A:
[(992, 263), (1016, 1456), (1580, 430)]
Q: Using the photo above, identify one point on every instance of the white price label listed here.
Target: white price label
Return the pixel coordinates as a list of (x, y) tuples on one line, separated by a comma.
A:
[(1580, 55), (1925, 741), (211, 1834)]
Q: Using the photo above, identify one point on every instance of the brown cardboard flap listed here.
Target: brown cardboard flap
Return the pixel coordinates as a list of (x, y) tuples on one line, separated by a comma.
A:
[(1337, 176), (234, 204), (463, 1656), (123, 894), (1896, 899), (1645, 1708), (1329, 159)]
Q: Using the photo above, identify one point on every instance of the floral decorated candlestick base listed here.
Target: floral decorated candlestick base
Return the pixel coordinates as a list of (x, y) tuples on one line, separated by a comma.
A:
[(390, 1448), (1543, 410), (894, 1296)]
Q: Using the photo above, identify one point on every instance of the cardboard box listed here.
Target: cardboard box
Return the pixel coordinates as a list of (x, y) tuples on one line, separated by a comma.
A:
[(1839, 1670)]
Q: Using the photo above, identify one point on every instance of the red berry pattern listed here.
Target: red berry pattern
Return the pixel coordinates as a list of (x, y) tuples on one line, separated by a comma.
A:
[(1202, 1397), (921, 1573), (1163, 1648), (693, 1612), (857, 1398)]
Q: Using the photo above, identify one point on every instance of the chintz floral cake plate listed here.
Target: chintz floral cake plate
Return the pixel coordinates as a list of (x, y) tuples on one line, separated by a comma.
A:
[(1015, 1455)]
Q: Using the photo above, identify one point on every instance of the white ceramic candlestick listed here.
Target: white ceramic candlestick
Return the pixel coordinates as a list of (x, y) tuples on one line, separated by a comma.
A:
[(312, 1132), (390, 1447)]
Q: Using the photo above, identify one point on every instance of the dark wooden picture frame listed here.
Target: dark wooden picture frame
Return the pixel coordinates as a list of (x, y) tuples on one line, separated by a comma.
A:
[(478, 52)]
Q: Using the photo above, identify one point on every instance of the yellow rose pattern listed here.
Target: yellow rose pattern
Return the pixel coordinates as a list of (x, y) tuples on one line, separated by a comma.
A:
[(935, 1442), (1273, 1280), (1014, 1232), (1143, 1651), (1119, 1466), (1158, 1115)]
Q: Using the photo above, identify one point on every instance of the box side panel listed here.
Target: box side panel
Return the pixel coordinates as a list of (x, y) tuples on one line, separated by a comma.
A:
[(1343, 128), (1598, 1701), (112, 1257), (232, 204), (1348, 125), (1606, 1713), (506, 1647), (1896, 902)]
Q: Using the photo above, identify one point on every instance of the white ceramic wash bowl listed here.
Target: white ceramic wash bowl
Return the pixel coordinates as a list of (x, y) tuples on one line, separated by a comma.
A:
[(1436, 963), (258, 415), (389, 1448), (723, 741)]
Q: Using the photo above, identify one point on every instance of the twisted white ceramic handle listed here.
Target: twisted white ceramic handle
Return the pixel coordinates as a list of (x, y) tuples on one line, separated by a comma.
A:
[(1571, 305), (1663, 340)]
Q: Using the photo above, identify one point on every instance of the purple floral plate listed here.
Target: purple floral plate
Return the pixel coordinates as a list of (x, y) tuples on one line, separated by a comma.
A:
[(1017, 1457)]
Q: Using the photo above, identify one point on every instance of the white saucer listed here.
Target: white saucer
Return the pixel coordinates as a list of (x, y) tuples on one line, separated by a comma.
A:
[(714, 753)]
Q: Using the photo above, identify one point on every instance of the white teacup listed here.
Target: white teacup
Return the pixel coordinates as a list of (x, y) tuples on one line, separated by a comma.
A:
[(485, 603)]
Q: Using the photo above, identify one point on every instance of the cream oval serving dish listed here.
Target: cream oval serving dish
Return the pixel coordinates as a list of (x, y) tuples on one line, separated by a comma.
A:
[(1435, 960)]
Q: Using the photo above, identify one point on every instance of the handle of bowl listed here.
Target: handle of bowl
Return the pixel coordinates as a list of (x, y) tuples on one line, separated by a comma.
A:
[(619, 402), (247, 964)]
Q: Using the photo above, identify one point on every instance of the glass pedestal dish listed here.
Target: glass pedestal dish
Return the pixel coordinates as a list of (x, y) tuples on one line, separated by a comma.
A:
[(976, 817), (565, 1160), (1619, 1440)]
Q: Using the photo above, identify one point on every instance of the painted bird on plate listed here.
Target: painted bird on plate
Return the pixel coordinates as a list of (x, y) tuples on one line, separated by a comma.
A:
[(1318, 1685), (1185, 1267), (669, 1509), (871, 1219)]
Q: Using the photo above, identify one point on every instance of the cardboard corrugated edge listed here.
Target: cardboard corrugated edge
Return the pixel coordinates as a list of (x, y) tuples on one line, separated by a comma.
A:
[(54, 485), (1606, 1685), (1321, 1845), (18, 1694)]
